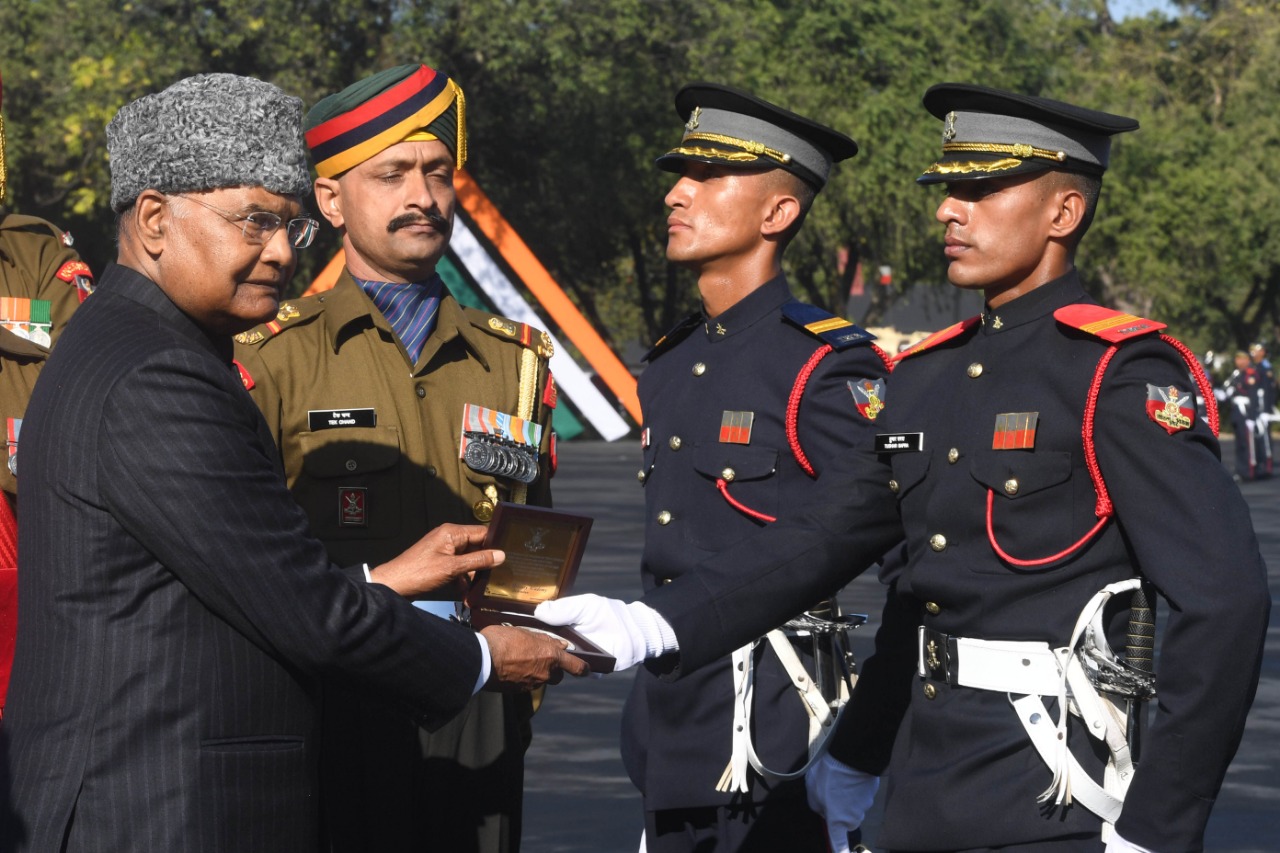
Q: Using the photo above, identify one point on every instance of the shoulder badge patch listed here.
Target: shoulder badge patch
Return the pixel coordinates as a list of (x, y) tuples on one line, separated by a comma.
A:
[(1111, 326), (953, 331), (827, 327), (868, 396), (71, 269), (1171, 408), (245, 378), (549, 394)]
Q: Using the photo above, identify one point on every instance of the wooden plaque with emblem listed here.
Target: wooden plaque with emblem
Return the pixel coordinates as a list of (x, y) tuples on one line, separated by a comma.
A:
[(544, 548)]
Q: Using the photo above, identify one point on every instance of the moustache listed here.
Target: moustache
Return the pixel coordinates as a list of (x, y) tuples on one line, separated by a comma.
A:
[(441, 224)]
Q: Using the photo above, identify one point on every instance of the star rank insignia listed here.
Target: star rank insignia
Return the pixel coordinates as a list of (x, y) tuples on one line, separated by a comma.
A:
[(868, 396), (1173, 409)]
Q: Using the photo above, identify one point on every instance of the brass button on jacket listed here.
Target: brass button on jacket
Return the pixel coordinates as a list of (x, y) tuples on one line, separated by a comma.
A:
[(938, 542), (674, 442), (699, 369), (1011, 486), (932, 607), (664, 518), (975, 370), (930, 691), (953, 455)]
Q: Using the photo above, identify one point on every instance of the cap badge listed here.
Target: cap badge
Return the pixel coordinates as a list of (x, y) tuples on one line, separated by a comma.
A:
[(949, 129), (692, 123)]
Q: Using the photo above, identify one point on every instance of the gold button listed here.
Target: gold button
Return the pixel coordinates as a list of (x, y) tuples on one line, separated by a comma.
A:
[(727, 475), (674, 442), (1011, 486), (421, 392), (482, 510), (937, 542), (930, 691), (975, 370), (953, 455), (893, 486), (699, 369), (932, 607), (640, 475), (664, 518), (667, 580)]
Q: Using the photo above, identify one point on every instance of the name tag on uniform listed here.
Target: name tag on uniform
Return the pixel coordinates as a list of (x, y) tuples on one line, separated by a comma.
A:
[(318, 419), (900, 442)]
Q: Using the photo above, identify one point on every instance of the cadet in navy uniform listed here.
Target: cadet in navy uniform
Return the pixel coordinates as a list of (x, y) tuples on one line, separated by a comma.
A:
[(1039, 454), (719, 463), (1056, 450), (1245, 395)]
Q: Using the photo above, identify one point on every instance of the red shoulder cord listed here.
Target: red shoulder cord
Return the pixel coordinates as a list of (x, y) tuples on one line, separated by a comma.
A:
[(1104, 510), (793, 423)]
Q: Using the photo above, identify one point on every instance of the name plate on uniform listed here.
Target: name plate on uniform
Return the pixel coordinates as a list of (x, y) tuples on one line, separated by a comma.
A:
[(544, 548), (900, 442), (318, 419)]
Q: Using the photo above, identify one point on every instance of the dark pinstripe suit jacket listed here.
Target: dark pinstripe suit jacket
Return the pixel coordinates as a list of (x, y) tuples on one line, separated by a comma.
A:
[(175, 615)]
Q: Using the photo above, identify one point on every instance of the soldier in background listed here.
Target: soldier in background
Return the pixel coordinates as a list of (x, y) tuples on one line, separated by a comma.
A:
[(396, 410), (1245, 396), (42, 281)]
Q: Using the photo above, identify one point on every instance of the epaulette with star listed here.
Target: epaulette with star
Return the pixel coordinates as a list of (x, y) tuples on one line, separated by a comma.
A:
[(527, 336), (827, 327), (678, 333), (294, 312), (1110, 325), (953, 331)]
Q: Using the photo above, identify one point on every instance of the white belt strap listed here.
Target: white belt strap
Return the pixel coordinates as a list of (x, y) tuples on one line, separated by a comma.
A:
[(822, 722), (1033, 669)]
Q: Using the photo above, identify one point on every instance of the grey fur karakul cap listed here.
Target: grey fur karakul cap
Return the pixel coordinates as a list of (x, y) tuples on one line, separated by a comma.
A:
[(207, 132)]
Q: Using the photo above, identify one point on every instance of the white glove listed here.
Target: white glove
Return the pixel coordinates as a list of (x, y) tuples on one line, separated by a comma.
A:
[(841, 795), (1119, 845), (630, 632)]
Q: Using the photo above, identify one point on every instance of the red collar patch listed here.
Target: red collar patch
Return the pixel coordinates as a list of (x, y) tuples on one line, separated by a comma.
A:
[(940, 337)]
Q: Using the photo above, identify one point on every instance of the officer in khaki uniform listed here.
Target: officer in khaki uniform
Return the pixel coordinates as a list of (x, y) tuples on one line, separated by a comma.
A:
[(372, 439), (42, 281)]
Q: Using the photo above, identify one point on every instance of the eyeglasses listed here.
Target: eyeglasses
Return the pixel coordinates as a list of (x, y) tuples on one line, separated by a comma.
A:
[(259, 226)]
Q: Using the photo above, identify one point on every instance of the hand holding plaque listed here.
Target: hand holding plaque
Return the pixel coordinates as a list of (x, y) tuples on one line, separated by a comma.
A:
[(543, 549)]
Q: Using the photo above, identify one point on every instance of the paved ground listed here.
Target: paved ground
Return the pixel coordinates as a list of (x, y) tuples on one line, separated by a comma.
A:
[(577, 796)]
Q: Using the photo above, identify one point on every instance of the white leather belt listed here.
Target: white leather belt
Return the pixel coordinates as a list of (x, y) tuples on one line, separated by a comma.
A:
[(1006, 666)]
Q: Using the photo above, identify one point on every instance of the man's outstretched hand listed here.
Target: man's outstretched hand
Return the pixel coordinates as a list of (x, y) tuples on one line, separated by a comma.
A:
[(523, 659), (445, 557)]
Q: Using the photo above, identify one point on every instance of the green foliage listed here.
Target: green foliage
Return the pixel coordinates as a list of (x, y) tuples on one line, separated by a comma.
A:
[(570, 101)]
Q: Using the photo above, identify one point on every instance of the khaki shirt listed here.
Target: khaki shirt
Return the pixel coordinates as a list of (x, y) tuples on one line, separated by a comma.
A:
[(20, 363), (36, 263), (335, 352)]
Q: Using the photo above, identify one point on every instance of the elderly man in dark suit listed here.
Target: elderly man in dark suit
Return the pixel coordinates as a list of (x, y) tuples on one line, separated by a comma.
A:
[(176, 615)]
